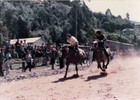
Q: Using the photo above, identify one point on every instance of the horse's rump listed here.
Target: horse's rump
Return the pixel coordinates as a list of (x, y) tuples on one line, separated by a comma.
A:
[(72, 56), (82, 53), (108, 51)]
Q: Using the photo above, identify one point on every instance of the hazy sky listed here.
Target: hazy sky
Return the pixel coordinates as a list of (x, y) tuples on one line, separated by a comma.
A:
[(117, 7)]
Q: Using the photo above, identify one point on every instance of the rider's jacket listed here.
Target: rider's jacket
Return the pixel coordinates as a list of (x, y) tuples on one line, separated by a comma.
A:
[(102, 39), (73, 41)]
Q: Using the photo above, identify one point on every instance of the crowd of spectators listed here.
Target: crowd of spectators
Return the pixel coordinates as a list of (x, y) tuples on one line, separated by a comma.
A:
[(28, 53)]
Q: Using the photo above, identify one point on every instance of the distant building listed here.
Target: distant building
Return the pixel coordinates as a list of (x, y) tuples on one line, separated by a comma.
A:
[(137, 28), (129, 31), (119, 45), (34, 41)]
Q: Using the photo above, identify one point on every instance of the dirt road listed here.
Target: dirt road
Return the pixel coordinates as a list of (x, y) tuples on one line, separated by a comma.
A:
[(121, 83)]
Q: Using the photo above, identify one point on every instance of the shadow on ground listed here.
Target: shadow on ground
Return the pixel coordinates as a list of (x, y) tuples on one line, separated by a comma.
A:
[(64, 79), (96, 76)]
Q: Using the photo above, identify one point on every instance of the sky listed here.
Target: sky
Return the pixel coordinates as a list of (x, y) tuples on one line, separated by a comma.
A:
[(117, 7)]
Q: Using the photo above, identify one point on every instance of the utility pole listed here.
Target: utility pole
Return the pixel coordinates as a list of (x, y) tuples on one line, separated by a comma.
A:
[(75, 21), (121, 32)]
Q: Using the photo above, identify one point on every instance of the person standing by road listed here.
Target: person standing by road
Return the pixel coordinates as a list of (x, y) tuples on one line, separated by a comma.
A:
[(1, 61)]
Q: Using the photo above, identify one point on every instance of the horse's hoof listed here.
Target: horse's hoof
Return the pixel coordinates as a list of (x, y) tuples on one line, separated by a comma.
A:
[(103, 70), (103, 73), (75, 75), (65, 77)]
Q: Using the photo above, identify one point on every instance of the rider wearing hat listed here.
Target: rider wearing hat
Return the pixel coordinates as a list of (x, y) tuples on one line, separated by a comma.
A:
[(101, 39)]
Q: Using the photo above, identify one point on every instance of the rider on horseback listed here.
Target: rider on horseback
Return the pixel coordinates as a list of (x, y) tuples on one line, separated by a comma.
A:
[(73, 42), (101, 39)]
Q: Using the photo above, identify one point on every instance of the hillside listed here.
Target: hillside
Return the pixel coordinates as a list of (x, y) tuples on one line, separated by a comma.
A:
[(53, 20)]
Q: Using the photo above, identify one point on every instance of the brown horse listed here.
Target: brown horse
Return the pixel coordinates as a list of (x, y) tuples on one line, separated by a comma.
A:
[(72, 57), (100, 56)]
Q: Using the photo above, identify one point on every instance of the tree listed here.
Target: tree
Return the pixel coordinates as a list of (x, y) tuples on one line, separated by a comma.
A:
[(119, 16), (108, 12), (1, 39), (55, 19), (10, 20), (127, 16), (24, 30), (3, 34), (134, 39)]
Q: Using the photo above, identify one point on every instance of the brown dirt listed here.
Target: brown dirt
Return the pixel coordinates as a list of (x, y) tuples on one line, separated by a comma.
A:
[(120, 83)]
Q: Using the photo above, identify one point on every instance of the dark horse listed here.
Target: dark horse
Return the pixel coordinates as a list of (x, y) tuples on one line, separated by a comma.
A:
[(72, 57), (100, 56)]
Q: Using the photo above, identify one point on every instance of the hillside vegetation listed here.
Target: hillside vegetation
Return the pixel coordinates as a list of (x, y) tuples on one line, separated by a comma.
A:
[(53, 20)]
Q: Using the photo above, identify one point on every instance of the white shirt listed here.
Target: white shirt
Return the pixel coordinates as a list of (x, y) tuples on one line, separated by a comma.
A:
[(25, 45), (73, 41), (8, 55), (28, 57)]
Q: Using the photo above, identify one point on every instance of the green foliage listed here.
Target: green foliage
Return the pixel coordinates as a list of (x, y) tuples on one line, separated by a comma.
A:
[(108, 12), (3, 34), (42, 33), (1, 39), (117, 37), (23, 28), (54, 20), (138, 44), (113, 37)]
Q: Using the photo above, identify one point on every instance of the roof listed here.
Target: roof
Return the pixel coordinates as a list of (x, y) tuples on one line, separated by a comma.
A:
[(128, 29), (28, 40)]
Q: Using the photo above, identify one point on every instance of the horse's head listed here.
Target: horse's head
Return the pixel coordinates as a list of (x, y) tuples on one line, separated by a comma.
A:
[(64, 51), (95, 44)]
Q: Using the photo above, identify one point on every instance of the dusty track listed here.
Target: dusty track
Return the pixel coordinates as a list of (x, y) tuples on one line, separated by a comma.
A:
[(121, 83)]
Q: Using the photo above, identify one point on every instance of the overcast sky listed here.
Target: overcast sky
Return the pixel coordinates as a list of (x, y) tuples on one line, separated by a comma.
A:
[(117, 7)]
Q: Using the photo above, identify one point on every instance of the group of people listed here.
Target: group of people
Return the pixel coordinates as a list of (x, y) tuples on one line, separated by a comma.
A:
[(28, 53)]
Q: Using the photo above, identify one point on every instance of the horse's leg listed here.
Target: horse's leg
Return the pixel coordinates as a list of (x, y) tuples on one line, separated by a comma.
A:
[(103, 64), (99, 65), (66, 70), (76, 68), (107, 62)]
